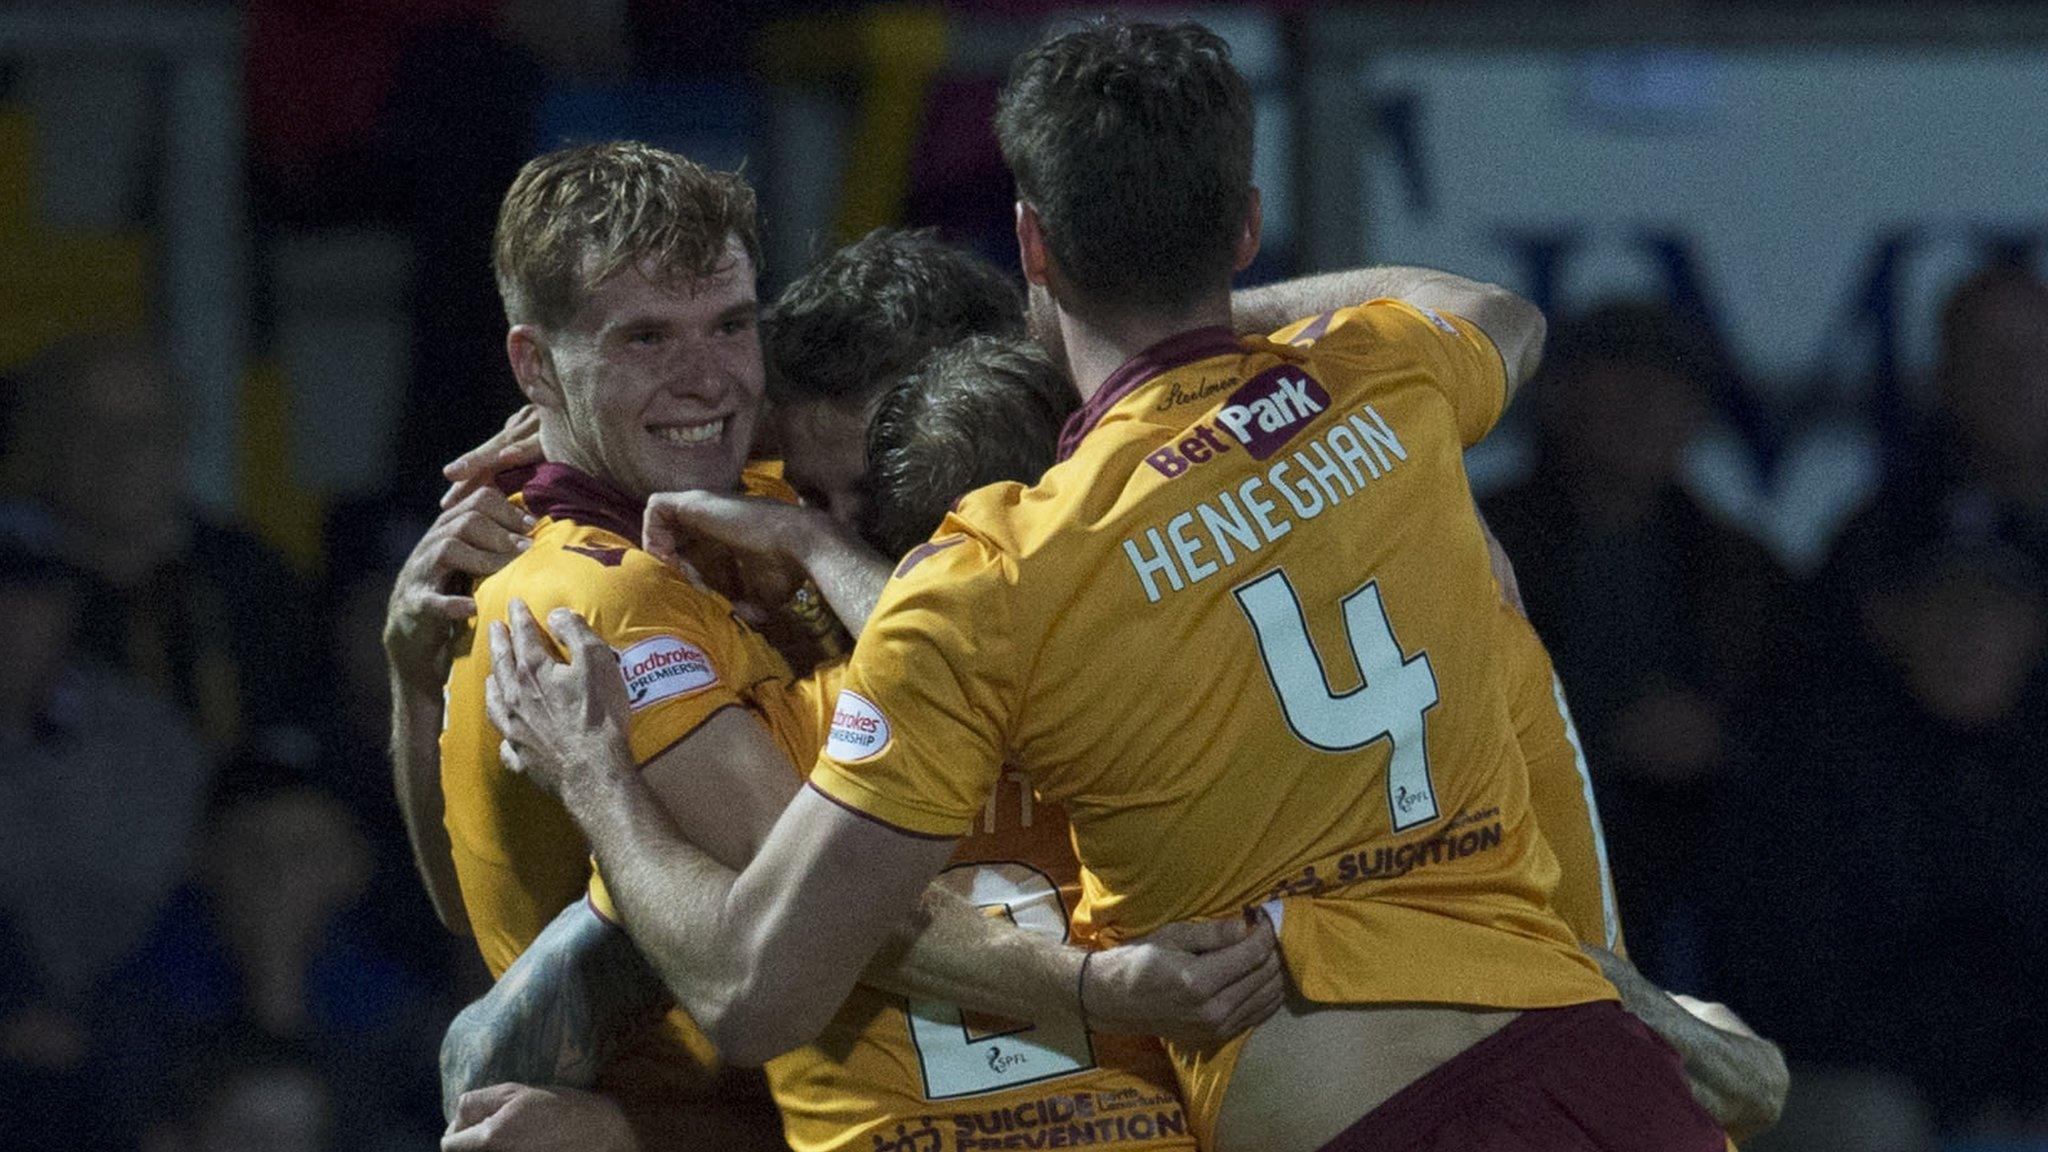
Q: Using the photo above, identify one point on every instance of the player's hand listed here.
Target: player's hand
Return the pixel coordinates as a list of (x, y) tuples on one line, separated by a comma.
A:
[(563, 722), (756, 524), (480, 534), (1736, 1075), (516, 445), (523, 1118), (752, 549), (1196, 982)]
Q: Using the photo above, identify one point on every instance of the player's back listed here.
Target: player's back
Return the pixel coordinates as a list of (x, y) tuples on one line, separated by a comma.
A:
[(1266, 666), (1244, 633)]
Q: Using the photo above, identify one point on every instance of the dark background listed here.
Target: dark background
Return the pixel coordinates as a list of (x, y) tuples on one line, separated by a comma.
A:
[(1797, 598)]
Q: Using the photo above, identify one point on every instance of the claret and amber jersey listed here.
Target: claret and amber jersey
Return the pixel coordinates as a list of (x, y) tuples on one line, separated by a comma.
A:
[(1560, 786), (1245, 633), (518, 856), (899, 1073), (923, 1075)]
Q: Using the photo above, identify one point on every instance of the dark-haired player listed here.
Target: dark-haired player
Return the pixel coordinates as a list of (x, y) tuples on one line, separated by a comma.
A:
[(852, 325), (982, 412), (1142, 633), (883, 1065), (988, 411)]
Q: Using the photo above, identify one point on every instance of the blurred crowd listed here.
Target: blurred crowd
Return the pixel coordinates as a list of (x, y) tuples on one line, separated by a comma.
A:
[(201, 866), (1819, 790), (1819, 787)]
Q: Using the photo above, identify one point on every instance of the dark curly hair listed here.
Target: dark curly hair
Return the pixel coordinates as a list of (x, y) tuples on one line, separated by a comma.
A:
[(982, 411), (1133, 142), (863, 316)]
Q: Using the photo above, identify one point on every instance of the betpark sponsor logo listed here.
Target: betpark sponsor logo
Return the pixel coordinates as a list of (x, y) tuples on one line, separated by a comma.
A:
[(1260, 418)]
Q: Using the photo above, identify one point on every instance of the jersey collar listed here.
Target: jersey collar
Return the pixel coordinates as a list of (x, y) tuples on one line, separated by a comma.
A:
[(565, 493), (1170, 353)]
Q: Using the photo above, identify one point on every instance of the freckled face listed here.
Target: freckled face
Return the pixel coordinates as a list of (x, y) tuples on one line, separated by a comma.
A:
[(661, 385)]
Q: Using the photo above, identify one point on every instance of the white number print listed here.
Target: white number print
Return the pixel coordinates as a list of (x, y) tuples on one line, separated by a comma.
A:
[(1390, 704), (965, 1055)]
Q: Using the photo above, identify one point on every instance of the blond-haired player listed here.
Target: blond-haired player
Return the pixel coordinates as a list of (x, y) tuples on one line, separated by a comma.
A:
[(628, 279), (1085, 631)]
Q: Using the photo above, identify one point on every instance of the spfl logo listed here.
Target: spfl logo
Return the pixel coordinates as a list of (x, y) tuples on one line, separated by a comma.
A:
[(663, 668), (859, 730)]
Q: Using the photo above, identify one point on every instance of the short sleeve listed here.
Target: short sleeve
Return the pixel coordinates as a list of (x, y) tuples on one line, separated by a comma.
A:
[(917, 735), (600, 896), (675, 647), (813, 698), (1457, 358)]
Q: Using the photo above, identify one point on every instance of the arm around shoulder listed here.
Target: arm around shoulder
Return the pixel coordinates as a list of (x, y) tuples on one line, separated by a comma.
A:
[(556, 1015), (416, 781), (1515, 326)]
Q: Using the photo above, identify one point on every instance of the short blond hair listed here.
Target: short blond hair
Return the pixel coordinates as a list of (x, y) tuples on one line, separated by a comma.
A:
[(575, 217)]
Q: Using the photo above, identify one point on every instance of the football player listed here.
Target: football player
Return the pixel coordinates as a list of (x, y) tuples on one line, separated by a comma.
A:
[(628, 280), (1142, 633)]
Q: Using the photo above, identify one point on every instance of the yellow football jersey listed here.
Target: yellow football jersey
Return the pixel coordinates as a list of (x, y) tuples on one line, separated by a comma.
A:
[(891, 1072), (1560, 787), (518, 856), (1245, 633)]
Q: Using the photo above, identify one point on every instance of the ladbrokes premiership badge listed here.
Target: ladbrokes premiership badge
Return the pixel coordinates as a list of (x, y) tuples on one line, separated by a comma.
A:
[(662, 669)]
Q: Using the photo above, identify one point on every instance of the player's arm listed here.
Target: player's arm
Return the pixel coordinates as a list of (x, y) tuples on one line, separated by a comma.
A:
[(723, 788), (474, 537), (760, 958), (1736, 1075), (763, 957), (846, 570), (518, 1116), (581, 987), (557, 1014), (415, 777), (1197, 982), (1515, 326)]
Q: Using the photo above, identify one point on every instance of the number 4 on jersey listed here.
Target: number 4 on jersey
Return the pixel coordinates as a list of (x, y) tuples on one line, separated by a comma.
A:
[(1390, 704)]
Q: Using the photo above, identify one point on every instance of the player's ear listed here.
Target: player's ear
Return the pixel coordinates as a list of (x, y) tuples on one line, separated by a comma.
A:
[(1032, 252), (1248, 240), (533, 365)]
